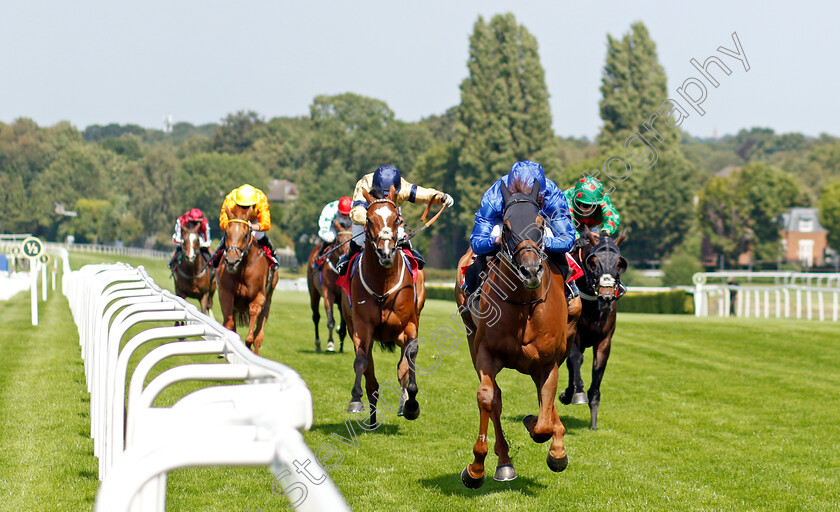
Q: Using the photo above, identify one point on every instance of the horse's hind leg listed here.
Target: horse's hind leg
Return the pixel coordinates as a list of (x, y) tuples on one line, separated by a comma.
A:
[(342, 329), (372, 389), (599, 365), (486, 366), (314, 300), (407, 373), (574, 392)]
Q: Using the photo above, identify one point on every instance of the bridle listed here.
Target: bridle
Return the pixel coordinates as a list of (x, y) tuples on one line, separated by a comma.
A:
[(242, 252), (390, 235), (512, 244), (607, 251)]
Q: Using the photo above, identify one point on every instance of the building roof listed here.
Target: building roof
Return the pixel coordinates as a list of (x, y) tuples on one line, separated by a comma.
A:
[(282, 190), (793, 218)]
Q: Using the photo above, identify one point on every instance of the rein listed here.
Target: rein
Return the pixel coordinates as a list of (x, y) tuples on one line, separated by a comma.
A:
[(417, 230), (328, 253), (242, 252), (373, 241)]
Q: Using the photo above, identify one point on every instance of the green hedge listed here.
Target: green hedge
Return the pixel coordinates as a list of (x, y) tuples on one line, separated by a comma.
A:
[(441, 292), (675, 302)]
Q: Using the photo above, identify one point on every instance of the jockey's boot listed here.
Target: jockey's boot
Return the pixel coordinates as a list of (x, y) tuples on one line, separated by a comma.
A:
[(321, 250), (344, 261), (266, 242), (473, 275), (572, 291), (217, 256), (175, 254)]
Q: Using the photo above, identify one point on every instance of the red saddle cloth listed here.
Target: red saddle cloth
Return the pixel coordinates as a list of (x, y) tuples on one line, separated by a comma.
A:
[(344, 281)]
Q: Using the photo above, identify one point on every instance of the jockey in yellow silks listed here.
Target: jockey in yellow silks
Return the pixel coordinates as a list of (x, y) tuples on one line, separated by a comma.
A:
[(246, 196)]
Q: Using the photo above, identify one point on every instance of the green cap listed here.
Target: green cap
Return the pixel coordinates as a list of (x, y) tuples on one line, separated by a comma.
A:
[(589, 191)]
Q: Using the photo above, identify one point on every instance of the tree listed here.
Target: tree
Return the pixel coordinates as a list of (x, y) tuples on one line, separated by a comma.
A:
[(235, 135), (504, 114), (204, 180), (830, 213), (633, 87), (739, 213), (680, 268)]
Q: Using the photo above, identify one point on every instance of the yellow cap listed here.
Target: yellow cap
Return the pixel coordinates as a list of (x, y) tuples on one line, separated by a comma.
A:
[(246, 195)]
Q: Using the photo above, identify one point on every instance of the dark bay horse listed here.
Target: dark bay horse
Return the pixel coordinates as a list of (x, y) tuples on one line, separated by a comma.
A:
[(386, 306), (193, 274), (517, 320), (322, 283), (602, 265), (244, 278)]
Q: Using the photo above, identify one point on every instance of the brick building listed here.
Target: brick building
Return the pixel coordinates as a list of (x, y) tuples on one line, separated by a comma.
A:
[(804, 240)]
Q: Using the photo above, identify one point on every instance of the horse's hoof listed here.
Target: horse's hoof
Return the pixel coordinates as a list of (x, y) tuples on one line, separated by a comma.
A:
[(317, 345), (526, 420), (557, 465), (330, 347), (411, 410), (356, 407), (579, 398), (505, 473), (469, 481)]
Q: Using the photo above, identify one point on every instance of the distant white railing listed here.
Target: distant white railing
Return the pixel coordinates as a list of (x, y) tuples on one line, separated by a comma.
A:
[(801, 295), (254, 423)]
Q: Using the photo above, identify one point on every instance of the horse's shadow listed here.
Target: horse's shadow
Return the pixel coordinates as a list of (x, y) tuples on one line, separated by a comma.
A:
[(570, 422), (450, 484), (341, 429)]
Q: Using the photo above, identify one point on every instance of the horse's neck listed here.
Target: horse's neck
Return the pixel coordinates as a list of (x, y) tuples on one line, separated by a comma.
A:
[(377, 277)]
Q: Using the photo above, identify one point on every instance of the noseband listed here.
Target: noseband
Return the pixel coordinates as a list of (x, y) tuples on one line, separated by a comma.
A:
[(389, 235), (512, 244)]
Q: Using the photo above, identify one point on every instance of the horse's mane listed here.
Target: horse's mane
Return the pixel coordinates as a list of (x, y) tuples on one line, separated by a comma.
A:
[(519, 186)]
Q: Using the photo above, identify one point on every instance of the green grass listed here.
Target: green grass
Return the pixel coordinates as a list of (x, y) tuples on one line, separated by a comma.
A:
[(712, 414)]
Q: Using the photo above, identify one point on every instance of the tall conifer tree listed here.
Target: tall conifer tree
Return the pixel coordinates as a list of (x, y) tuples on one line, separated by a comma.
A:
[(504, 114)]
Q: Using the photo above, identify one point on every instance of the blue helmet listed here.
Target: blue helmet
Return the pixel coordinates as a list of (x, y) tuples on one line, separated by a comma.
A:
[(383, 178), (527, 172)]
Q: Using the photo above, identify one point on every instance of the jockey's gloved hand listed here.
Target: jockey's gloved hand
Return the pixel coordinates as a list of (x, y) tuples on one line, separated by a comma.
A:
[(255, 226), (580, 243), (447, 200)]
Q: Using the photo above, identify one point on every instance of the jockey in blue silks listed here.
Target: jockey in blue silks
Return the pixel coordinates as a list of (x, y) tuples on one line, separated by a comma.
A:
[(485, 237)]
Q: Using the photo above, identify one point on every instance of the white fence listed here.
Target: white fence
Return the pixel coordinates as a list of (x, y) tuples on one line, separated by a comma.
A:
[(769, 295), (257, 422)]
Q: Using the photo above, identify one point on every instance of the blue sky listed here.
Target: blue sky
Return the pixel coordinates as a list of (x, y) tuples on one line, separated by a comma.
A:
[(134, 62)]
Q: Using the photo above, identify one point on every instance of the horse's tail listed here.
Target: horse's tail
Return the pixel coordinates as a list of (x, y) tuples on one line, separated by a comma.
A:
[(242, 317), (390, 346)]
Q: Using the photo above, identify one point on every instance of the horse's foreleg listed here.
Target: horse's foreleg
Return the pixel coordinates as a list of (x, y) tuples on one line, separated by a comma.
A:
[(361, 342), (473, 475), (255, 309), (314, 302), (574, 392), (342, 328), (504, 469), (329, 300), (548, 424), (372, 389), (599, 364), (226, 303)]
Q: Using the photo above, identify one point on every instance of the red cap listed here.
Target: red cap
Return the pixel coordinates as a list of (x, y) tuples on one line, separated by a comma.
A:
[(344, 205), (195, 214)]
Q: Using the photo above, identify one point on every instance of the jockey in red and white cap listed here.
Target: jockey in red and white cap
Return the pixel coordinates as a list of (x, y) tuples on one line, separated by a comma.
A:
[(197, 216)]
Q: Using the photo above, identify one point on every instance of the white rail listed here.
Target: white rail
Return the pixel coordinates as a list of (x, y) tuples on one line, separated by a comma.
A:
[(256, 422)]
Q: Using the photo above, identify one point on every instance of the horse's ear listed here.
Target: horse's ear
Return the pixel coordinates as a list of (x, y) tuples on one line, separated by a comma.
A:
[(535, 191), (367, 196), (622, 265), (505, 193), (621, 238), (392, 193), (593, 238)]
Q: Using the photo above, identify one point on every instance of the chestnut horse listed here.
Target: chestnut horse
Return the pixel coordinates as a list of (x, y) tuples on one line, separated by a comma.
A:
[(602, 265), (244, 278), (529, 294), (193, 272), (322, 283), (386, 307)]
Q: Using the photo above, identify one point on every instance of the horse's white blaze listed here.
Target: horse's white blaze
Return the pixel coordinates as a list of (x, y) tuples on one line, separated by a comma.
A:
[(384, 212), (607, 281), (386, 233), (191, 239)]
